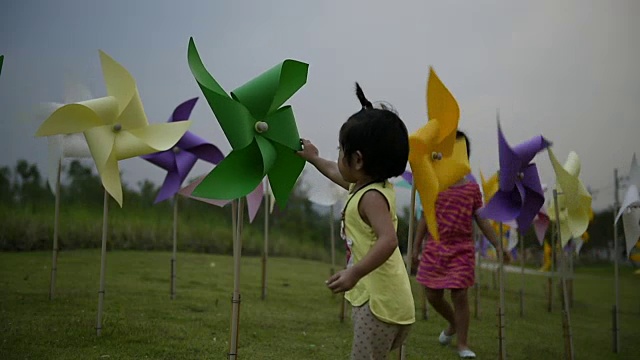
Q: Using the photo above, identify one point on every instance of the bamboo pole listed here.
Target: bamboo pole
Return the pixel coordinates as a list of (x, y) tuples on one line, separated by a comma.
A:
[(56, 234), (265, 250), (552, 274), (572, 250), (103, 259), (402, 354), (616, 274), (237, 221), (333, 241), (502, 349), (522, 283), (566, 317), (476, 300), (175, 247)]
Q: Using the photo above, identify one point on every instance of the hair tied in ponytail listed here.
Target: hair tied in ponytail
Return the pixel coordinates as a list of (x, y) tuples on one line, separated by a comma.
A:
[(366, 104)]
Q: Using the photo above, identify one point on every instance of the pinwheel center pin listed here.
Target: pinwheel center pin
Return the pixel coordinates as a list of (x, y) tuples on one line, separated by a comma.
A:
[(520, 176), (117, 127), (436, 155), (176, 149), (261, 126)]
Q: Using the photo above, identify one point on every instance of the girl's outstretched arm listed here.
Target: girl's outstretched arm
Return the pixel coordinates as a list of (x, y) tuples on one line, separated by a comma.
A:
[(328, 168), (374, 210), (490, 234)]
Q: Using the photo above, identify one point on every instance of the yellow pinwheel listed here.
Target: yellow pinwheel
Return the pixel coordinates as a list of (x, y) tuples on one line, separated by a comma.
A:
[(489, 186), (114, 126), (437, 160), (574, 201)]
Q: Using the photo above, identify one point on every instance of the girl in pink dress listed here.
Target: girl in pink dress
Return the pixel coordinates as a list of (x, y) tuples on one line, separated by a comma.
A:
[(450, 263)]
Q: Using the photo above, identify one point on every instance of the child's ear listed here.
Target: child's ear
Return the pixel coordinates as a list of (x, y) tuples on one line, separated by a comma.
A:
[(358, 160)]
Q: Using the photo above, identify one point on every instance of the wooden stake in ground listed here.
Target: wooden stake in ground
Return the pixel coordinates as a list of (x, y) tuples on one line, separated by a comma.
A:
[(237, 221), (566, 318), (476, 287), (522, 283), (616, 276), (172, 288), (265, 250), (502, 348), (616, 306), (332, 236), (56, 226), (103, 260), (552, 274), (402, 354), (570, 256), (343, 305)]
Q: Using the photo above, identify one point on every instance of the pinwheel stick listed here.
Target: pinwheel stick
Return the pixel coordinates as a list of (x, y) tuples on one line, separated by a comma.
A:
[(237, 207), (56, 225), (572, 249), (521, 242), (502, 348), (566, 318), (552, 274), (103, 259), (412, 215), (175, 246), (265, 251), (332, 236), (343, 305), (616, 278), (615, 310), (476, 301)]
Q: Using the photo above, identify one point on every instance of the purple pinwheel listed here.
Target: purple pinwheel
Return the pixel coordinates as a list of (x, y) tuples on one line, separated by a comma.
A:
[(520, 195), (179, 160)]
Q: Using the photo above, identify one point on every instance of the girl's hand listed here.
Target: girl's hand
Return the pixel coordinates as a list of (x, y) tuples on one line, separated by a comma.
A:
[(341, 281), (415, 261), (309, 151)]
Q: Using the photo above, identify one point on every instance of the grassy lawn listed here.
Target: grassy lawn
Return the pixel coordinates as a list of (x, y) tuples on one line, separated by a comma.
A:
[(299, 319)]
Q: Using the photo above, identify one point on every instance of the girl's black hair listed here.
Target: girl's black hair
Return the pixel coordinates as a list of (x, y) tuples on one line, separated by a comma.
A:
[(380, 136), (460, 134)]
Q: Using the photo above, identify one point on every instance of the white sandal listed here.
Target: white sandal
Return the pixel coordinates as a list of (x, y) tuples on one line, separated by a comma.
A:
[(445, 339), (466, 354)]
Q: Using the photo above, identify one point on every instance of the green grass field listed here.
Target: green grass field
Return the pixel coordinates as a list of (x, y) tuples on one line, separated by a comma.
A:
[(298, 320)]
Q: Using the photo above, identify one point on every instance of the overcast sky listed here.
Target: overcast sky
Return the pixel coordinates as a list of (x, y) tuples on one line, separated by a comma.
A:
[(564, 69)]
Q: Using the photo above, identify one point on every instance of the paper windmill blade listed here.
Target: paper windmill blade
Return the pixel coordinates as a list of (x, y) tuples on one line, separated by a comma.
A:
[(114, 126), (323, 191), (254, 198), (471, 178), (630, 208), (406, 180), (574, 201), (179, 161), (489, 187), (269, 192), (262, 134), (520, 193), (541, 224), (512, 238), (64, 146), (437, 160)]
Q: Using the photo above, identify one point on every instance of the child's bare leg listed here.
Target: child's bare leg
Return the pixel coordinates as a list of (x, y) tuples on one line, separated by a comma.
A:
[(461, 315), (436, 299)]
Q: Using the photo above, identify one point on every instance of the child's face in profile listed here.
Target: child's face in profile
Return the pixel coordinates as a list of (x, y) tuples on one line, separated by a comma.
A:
[(343, 167)]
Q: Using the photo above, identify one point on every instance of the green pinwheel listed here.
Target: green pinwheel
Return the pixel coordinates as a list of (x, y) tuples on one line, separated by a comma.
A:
[(263, 135)]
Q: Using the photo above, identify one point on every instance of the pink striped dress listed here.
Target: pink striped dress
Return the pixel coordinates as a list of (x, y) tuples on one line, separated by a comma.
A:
[(450, 263)]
